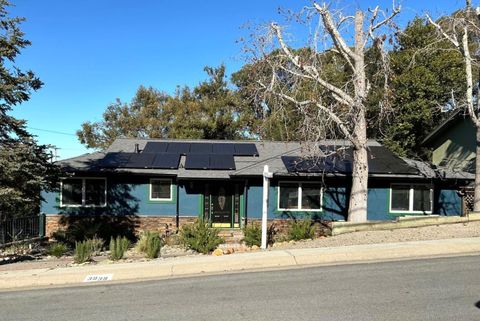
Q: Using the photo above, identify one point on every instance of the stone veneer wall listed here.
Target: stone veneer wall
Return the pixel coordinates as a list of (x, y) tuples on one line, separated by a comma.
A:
[(142, 223)]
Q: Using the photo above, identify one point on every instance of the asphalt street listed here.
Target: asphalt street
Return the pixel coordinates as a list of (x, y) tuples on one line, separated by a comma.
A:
[(433, 289)]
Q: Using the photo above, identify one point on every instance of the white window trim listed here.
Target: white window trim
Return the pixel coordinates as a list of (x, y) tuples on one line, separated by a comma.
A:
[(83, 179), (161, 180), (410, 199), (299, 204)]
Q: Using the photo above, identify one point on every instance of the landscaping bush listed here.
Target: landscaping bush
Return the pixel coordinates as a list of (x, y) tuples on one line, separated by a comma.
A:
[(301, 230), (252, 235), (57, 249), (199, 237), (97, 245), (83, 251), (150, 244), (154, 244), (118, 247)]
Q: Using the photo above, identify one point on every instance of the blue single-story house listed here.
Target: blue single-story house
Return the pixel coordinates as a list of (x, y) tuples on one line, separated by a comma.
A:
[(162, 184)]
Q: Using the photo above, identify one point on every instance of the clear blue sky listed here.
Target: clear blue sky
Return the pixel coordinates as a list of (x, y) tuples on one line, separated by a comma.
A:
[(90, 52)]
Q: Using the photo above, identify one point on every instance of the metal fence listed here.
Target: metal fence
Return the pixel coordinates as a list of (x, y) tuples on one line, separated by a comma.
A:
[(22, 228)]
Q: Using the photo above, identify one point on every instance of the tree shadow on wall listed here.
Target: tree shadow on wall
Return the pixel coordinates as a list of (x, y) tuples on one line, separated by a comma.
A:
[(117, 218)]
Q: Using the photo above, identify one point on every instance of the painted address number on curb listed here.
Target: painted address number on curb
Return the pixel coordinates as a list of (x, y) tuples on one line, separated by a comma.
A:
[(98, 278)]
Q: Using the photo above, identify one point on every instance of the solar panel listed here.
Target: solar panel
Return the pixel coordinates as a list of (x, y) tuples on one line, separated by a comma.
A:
[(155, 147), (140, 161), (224, 148), (200, 148), (178, 148), (166, 161), (197, 161), (222, 162), (115, 159), (246, 149)]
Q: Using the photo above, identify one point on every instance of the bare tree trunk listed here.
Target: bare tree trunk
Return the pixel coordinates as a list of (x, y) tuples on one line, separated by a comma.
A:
[(476, 200), (357, 209)]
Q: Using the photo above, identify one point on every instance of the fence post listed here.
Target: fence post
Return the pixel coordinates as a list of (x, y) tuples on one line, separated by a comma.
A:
[(41, 225)]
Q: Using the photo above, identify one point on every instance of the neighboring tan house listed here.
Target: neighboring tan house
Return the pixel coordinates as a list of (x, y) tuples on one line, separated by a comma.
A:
[(162, 184), (453, 148)]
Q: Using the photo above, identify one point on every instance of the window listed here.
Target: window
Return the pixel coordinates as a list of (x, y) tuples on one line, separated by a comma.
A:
[(161, 189), (410, 198), (299, 197), (77, 192)]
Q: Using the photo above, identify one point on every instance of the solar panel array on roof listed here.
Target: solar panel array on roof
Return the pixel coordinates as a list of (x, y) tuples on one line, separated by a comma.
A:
[(115, 160), (209, 161), (245, 149), (197, 161), (147, 160), (201, 148), (166, 161), (236, 149), (140, 160), (224, 148), (155, 147), (178, 148), (380, 161)]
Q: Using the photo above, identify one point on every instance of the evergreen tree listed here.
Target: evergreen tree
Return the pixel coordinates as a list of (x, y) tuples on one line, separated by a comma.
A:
[(25, 166)]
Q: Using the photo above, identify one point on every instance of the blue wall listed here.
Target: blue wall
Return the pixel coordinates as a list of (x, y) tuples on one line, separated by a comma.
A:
[(130, 195)]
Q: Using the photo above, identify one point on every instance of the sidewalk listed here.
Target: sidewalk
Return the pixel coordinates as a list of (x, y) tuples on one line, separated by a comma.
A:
[(189, 266)]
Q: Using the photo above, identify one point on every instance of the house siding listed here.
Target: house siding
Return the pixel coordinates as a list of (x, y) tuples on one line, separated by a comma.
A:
[(130, 196), (452, 150)]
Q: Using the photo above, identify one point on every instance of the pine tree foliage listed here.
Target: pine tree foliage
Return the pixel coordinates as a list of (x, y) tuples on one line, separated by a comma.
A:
[(25, 166)]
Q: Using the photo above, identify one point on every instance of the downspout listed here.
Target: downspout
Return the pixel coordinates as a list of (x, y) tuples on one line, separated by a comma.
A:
[(245, 201), (177, 210)]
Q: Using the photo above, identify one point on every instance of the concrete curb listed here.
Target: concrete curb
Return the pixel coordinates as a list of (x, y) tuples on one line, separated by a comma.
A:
[(189, 266)]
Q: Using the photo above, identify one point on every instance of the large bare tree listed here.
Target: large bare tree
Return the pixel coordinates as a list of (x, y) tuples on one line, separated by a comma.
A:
[(327, 79), (461, 29)]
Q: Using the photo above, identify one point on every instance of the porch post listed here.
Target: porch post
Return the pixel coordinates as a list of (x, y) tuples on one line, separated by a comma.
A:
[(266, 185)]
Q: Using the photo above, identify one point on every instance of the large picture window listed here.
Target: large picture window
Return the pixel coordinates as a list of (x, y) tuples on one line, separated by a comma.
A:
[(161, 189), (299, 197), (76, 192), (411, 198)]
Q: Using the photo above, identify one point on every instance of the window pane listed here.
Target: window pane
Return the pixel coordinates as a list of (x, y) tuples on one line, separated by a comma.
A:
[(289, 196), (400, 198), (94, 192), (72, 192), (422, 199), (310, 196), (161, 190)]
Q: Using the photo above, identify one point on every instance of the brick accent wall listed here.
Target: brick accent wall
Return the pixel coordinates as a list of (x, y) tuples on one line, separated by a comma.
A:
[(161, 224)]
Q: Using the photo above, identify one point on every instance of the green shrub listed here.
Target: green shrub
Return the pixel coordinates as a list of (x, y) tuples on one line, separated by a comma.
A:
[(252, 235), (83, 251), (154, 244), (301, 230), (118, 247), (199, 237), (57, 249), (150, 244)]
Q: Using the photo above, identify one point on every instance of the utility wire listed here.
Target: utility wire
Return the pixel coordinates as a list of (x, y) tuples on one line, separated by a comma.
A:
[(51, 131)]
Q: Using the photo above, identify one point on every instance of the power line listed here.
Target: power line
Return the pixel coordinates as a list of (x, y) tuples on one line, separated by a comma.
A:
[(52, 131)]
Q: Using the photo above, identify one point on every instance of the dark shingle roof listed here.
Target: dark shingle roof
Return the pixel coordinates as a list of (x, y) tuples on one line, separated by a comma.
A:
[(279, 156)]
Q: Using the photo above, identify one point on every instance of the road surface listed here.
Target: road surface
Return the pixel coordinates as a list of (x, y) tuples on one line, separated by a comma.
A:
[(434, 289)]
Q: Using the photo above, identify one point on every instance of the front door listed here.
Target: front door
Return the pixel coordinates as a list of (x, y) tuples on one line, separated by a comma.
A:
[(222, 204)]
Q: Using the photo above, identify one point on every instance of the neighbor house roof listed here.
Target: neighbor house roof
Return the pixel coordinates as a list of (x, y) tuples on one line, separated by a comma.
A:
[(283, 159)]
